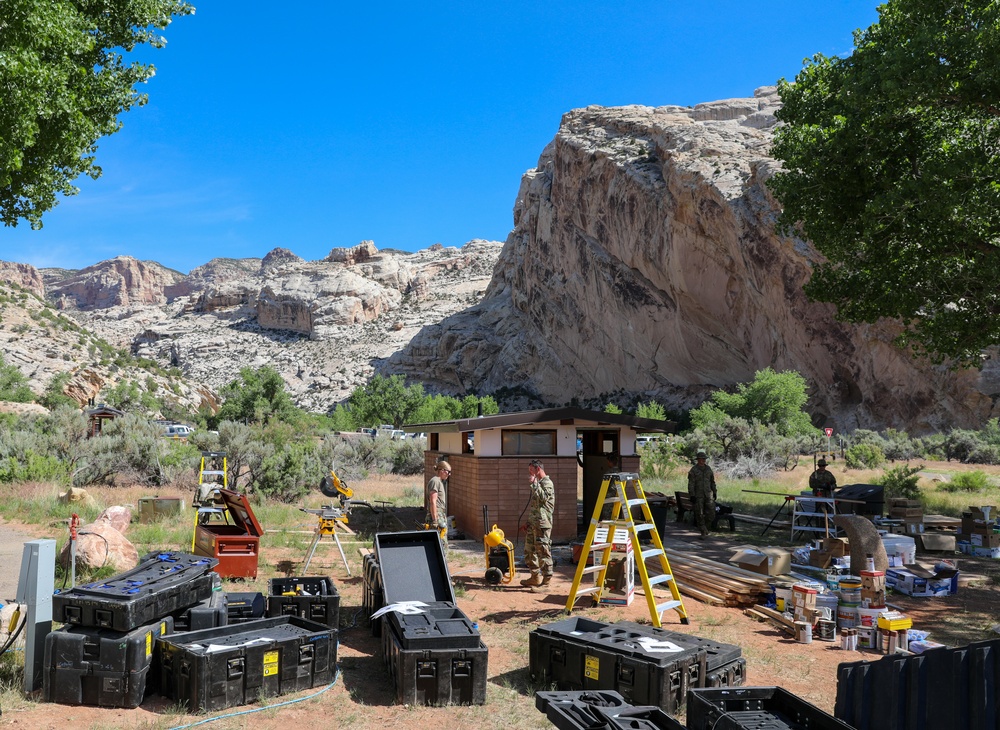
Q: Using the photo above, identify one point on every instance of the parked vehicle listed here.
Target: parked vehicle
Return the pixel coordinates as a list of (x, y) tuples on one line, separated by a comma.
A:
[(177, 431)]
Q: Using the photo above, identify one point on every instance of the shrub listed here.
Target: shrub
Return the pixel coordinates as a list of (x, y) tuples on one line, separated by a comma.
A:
[(409, 457), (970, 481), (864, 456), (900, 481), (660, 459)]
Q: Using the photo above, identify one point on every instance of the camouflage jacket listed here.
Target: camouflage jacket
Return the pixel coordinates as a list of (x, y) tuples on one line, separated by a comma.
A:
[(701, 480), (543, 503), (822, 481)]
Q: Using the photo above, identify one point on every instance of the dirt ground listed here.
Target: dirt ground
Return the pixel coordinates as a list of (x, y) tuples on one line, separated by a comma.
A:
[(362, 696)]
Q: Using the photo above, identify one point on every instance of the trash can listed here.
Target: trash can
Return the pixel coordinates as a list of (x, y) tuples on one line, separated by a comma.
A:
[(658, 509)]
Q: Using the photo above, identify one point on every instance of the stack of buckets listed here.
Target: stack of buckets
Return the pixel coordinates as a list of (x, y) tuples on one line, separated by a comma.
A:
[(862, 599)]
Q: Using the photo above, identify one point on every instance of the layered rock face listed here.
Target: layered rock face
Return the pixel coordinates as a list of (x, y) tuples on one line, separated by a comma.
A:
[(644, 260)]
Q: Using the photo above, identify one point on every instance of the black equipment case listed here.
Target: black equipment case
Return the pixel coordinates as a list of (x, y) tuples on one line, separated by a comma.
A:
[(208, 614), (245, 606), (218, 668), (755, 708), (314, 598), (600, 710), (161, 584), (436, 677), (647, 666), (373, 598), (438, 626), (91, 666)]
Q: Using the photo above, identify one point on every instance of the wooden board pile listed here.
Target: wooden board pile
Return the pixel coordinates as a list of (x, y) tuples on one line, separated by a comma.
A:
[(716, 583)]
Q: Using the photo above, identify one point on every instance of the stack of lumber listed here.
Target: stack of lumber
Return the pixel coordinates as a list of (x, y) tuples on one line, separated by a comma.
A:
[(720, 584), (779, 620)]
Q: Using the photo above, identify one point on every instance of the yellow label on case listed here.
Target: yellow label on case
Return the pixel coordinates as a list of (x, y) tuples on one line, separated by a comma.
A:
[(149, 644), (270, 663), (591, 667)]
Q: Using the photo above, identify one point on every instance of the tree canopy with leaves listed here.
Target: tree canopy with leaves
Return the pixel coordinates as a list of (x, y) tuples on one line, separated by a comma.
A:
[(256, 396), (65, 82), (891, 167), (772, 399)]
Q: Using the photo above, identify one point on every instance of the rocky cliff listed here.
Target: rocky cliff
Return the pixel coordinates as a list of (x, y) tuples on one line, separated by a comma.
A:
[(644, 260)]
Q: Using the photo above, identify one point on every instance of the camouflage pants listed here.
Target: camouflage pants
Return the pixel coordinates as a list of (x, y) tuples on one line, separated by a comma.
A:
[(538, 550), (704, 511)]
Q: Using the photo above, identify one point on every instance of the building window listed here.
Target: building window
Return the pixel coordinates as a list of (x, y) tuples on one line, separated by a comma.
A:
[(468, 442), (528, 443)]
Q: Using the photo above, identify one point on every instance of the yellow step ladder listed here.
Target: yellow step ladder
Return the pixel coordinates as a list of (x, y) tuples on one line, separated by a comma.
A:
[(628, 494)]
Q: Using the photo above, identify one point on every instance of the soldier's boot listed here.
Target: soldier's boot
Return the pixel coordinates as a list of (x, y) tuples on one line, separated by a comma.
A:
[(532, 581)]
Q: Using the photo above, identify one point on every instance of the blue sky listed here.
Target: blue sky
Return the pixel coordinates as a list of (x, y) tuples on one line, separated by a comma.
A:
[(315, 125)]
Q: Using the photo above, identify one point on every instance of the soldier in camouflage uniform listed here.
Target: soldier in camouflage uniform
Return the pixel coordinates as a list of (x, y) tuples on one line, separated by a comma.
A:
[(701, 487), (821, 482), (538, 538)]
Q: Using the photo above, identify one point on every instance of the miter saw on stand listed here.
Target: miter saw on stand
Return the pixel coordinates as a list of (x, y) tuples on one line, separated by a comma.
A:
[(331, 515)]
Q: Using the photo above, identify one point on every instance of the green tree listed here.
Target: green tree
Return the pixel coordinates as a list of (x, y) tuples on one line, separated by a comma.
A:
[(612, 408), (386, 400), (13, 384), (256, 396), (891, 169), (773, 399), (652, 410), (66, 81)]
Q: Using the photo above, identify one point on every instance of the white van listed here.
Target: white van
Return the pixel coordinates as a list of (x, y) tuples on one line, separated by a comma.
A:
[(177, 431)]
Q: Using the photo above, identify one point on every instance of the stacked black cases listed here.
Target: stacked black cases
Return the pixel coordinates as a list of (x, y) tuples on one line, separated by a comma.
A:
[(600, 710), (160, 585), (207, 614), (724, 663), (756, 708), (940, 688), (242, 607), (436, 677), (313, 598), (218, 668), (437, 626), (413, 567), (373, 597), (102, 667), (579, 654)]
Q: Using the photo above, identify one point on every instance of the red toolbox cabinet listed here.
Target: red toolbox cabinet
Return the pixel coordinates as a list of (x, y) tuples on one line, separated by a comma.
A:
[(235, 543)]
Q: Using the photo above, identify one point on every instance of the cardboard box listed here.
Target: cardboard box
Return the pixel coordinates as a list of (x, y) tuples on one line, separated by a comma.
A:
[(838, 547), (619, 581), (991, 540), (765, 560), (937, 541), (985, 552)]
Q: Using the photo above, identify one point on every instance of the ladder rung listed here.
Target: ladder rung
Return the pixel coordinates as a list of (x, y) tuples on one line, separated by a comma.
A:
[(206, 471), (588, 591), (650, 553), (600, 546), (660, 608), (593, 569), (644, 526), (655, 580), (635, 502)]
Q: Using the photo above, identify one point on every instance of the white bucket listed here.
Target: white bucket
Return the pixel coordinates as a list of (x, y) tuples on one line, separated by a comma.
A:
[(868, 617), (803, 632), (828, 601), (847, 616), (901, 545)]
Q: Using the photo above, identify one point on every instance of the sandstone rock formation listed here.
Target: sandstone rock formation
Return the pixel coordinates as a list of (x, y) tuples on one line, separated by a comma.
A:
[(643, 260)]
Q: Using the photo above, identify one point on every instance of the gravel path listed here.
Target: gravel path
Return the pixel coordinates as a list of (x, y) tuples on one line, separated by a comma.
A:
[(11, 549)]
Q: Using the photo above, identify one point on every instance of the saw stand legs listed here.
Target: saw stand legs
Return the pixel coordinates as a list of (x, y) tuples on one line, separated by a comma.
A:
[(324, 529)]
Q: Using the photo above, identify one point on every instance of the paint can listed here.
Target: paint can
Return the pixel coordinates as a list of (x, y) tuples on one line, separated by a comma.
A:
[(847, 615), (803, 632), (850, 589), (826, 630), (783, 596)]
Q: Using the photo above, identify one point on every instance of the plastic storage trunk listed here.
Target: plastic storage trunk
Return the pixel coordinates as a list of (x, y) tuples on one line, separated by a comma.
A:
[(152, 509), (724, 663), (436, 677), (242, 607), (218, 668), (102, 667), (438, 626), (413, 567), (373, 598), (755, 708), (580, 654), (161, 584), (600, 709), (237, 545), (315, 598), (940, 688), (208, 614)]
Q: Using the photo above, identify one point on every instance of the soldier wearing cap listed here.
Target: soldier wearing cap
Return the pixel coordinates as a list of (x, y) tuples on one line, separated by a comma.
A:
[(821, 482), (437, 500), (701, 487)]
